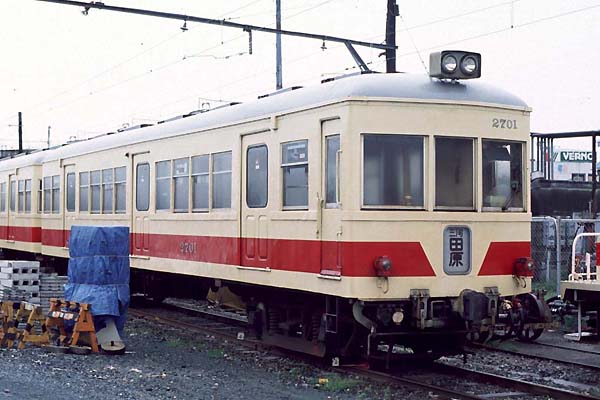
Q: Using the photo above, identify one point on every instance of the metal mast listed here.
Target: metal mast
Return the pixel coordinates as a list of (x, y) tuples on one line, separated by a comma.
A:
[(278, 68)]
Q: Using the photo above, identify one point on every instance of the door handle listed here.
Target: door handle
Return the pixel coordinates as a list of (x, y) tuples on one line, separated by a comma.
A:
[(319, 214)]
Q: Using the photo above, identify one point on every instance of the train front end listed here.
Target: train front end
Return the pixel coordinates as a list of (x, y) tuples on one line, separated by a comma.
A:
[(445, 205)]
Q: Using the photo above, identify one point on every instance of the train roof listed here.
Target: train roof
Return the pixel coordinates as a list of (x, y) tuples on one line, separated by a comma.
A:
[(402, 87)]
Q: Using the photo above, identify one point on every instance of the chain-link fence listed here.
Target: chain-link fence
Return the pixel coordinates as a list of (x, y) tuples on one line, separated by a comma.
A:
[(552, 258)]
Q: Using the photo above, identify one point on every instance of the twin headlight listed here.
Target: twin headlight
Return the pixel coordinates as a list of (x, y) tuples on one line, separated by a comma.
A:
[(451, 64)]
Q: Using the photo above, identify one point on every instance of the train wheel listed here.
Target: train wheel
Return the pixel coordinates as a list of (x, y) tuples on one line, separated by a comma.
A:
[(532, 310), (529, 335), (479, 337)]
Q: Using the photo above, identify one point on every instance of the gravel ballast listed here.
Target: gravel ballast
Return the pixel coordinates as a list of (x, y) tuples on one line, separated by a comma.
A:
[(168, 363)]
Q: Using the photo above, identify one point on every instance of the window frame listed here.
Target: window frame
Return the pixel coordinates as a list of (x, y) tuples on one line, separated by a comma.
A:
[(524, 183), (174, 178), (3, 197), (169, 179), (283, 167), (425, 144), (20, 196), (28, 195), (97, 185), (40, 196), (116, 185), (212, 180), (338, 172), (475, 164), (74, 193), (87, 188), (56, 208), (104, 188), (209, 180), (47, 189), (147, 192), (252, 147)]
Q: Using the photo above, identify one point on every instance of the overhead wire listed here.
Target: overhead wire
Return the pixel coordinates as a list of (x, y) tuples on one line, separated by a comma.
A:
[(489, 33), (539, 20), (125, 61)]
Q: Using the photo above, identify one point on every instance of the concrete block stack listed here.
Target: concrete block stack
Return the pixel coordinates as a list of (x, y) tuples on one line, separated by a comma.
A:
[(20, 280), (52, 286)]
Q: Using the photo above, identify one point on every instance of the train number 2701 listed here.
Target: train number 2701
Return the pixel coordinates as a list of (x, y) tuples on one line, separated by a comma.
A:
[(502, 123)]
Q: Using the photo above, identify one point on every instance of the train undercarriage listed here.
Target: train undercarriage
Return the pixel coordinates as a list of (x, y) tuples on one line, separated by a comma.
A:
[(421, 327)]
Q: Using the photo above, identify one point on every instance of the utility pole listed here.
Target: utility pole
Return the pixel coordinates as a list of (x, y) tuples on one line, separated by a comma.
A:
[(278, 69), (49, 136), (20, 132), (390, 36)]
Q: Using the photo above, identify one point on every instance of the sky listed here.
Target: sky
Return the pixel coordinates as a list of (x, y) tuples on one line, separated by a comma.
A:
[(89, 75)]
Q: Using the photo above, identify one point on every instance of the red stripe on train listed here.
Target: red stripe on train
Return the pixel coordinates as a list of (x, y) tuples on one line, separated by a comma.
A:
[(500, 257), (356, 258), (21, 233)]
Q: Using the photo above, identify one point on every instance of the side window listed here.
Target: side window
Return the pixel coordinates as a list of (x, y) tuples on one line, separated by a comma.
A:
[(71, 192), (393, 174), (84, 191), (95, 186), (221, 166), (454, 177), (181, 183), (257, 171), (13, 199), (21, 196), (55, 194), (142, 187), (28, 195), (200, 183), (294, 162), (40, 196), (502, 175), (332, 171), (163, 185), (3, 197), (47, 194), (107, 191), (120, 190)]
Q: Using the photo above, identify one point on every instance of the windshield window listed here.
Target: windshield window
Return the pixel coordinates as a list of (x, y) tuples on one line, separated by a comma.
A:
[(393, 170), (502, 175), (454, 173)]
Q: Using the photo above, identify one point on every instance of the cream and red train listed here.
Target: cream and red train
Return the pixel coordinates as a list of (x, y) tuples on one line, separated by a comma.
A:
[(372, 212)]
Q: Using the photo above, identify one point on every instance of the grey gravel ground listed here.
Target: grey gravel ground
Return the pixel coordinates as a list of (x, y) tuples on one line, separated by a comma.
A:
[(574, 378), (166, 363)]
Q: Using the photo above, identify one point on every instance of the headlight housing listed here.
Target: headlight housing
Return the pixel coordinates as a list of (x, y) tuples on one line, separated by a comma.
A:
[(455, 64)]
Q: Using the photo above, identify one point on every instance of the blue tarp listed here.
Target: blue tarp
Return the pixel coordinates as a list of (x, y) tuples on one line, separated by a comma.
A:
[(99, 271)]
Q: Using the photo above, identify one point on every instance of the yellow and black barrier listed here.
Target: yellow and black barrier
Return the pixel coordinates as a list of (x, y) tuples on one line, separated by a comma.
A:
[(44, 330), (61, 311)]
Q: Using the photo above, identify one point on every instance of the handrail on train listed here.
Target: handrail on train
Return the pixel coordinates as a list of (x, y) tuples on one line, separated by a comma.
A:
[(588, 274)]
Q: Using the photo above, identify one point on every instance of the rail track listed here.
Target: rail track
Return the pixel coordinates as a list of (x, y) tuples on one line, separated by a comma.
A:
[(588, 358), (454, 379)]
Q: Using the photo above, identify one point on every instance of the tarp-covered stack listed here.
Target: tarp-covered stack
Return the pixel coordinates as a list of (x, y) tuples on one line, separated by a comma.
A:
[(99, 275)]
